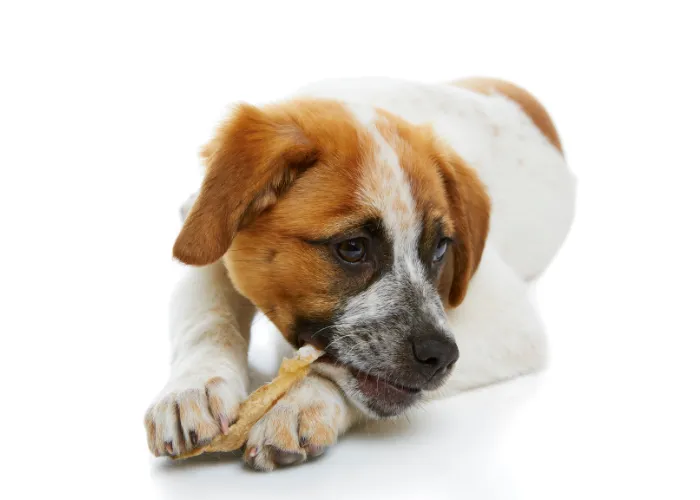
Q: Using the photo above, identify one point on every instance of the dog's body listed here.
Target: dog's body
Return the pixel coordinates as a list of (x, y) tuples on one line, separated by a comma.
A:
[(355, 228)]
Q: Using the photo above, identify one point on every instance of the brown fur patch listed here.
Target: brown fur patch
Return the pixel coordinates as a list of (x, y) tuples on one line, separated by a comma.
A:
[(523, 98)]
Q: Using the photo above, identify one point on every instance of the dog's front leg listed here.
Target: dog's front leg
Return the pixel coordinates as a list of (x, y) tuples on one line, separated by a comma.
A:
[(209, 330), (307, 420)]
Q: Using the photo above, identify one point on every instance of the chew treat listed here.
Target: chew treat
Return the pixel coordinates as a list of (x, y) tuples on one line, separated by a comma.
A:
[(260, 402)]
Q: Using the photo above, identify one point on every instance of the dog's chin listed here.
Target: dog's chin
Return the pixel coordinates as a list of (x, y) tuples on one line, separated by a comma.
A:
[(374, 396)]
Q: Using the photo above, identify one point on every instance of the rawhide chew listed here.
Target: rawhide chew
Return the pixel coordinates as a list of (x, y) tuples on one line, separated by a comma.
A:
[(260, 402)]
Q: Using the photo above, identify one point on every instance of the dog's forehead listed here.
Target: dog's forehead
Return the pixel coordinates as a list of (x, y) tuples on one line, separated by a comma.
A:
[(374, 166), (399, 178)]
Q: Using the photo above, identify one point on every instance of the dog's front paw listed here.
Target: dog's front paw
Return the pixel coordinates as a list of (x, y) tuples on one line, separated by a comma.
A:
[(302, 424), (190, 411)]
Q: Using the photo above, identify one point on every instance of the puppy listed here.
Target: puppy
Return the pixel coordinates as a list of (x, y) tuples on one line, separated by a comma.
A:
[(394, 225)]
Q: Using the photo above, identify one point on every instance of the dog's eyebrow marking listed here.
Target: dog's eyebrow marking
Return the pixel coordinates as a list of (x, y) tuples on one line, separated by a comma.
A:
[(371, 225)]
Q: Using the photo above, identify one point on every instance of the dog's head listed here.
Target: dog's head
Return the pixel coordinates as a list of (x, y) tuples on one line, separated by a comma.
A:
[(352, 230)]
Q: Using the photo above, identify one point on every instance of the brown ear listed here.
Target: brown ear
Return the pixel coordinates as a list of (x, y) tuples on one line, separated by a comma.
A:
[(470, 210), (254, 156)]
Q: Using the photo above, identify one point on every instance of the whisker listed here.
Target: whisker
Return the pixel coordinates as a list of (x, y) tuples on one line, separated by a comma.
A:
[(338, 339), (319, 331)]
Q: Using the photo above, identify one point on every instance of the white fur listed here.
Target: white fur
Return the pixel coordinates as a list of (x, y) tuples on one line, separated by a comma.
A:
[(497, 329), (209, 333), (499, 332)]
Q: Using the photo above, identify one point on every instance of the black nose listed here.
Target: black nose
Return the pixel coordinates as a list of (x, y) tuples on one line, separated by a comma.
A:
[(434, 353)]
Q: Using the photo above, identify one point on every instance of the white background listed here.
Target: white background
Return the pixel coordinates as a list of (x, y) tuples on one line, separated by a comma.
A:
[(102, 111)]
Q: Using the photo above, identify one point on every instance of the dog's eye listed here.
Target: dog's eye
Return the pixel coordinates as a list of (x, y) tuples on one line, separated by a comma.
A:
[(440, 249), (352, 250)]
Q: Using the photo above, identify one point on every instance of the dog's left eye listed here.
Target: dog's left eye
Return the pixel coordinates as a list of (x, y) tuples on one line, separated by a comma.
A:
[(440, 249), (352, 250)]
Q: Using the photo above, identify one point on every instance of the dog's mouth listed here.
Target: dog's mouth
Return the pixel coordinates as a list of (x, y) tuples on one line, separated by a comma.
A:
[(384, 397)]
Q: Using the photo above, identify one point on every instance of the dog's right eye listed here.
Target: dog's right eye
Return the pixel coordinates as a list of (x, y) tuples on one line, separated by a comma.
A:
[(352, 250)]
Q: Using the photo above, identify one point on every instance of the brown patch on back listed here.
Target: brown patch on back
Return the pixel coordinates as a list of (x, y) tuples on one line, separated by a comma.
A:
[(527, 102)]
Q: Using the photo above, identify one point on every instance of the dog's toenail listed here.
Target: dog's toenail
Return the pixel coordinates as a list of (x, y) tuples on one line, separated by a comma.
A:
[(252, 452), (283, 457), (169, 447), (193, 438), (223, 421)]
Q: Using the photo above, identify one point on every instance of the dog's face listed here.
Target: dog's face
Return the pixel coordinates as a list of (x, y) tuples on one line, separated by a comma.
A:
[(351, 230)]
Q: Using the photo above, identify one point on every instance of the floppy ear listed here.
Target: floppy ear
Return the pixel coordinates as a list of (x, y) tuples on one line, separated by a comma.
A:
[(470, 210), (252, 159)]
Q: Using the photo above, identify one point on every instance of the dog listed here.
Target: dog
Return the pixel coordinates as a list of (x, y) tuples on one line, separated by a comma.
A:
[(397, 226)]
